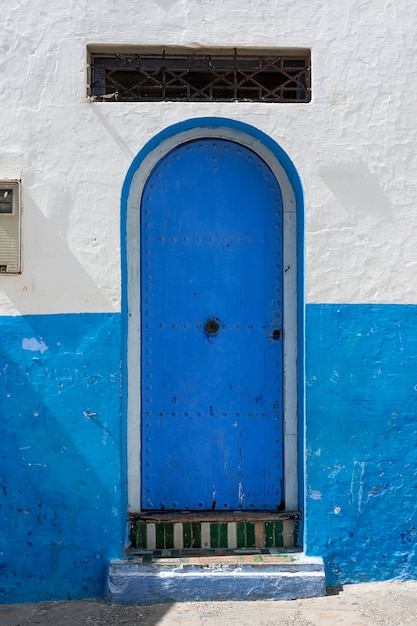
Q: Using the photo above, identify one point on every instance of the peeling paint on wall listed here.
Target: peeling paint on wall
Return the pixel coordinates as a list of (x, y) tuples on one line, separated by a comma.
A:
[(60, 463), (34, 345), (366, 428)]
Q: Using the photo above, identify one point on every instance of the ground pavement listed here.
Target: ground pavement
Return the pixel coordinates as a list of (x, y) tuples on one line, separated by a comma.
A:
[(366, 604)]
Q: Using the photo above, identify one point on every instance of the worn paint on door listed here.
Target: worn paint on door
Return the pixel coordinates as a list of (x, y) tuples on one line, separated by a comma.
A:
[(211, 263)]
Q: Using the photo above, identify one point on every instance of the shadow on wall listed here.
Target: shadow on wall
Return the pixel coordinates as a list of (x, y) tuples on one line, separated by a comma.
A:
[(357, 190), (60, 511), (53, 279), (98, 112)]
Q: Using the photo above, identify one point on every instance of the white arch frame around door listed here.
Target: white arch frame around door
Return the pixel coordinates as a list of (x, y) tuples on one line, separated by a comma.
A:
[(132, 303)]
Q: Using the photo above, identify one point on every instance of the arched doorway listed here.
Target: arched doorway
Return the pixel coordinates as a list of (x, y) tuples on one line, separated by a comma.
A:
[(211, 310)]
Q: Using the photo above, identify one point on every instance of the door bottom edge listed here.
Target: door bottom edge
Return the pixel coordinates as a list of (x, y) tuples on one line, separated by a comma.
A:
[(211, 516)]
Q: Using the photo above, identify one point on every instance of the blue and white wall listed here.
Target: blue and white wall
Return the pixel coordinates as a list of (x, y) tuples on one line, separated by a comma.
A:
[(63, 443)]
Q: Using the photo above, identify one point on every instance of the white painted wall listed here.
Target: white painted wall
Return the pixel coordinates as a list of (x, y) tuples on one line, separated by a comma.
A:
[(354, 145)]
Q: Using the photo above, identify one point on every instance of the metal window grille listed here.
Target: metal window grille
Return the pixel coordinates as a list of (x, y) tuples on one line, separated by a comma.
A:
[(200, 77)]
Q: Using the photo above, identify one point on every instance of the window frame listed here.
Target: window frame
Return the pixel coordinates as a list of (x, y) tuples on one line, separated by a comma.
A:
[(181, 74)]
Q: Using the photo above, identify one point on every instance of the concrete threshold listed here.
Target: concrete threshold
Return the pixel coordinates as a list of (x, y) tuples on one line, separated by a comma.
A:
[(147, 579)]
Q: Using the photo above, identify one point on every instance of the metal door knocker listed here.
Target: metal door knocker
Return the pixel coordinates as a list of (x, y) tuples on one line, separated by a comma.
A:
[(211, 327)]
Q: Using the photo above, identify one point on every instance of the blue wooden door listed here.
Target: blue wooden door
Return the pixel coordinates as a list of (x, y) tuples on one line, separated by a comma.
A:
[(211, 258)]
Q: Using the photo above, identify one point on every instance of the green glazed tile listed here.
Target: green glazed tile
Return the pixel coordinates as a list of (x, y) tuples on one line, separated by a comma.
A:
[(273, 535), (191, 533), (241, 535), (187, 535), (218, 535), (196, 528), (137, 535), (250, 535), (141, 535), (160, 536), (169, 536), (295, 532), (133, 536), (164, 534), (245, 532)]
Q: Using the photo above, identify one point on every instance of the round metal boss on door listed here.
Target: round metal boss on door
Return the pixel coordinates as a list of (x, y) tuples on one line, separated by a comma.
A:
[(211, 327)]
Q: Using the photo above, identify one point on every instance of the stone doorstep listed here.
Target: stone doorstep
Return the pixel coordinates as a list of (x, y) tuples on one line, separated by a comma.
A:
[(202, 578), (239, 560), (195, 557)]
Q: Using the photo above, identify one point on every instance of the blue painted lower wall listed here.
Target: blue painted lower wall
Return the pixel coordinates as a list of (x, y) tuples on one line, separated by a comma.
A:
[(361, 440), (61, 517), (62, 475)]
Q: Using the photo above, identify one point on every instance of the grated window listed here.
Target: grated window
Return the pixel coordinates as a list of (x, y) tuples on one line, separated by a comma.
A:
[(199, 76)]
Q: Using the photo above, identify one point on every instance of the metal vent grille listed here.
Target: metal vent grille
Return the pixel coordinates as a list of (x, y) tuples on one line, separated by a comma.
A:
[(200, 77)]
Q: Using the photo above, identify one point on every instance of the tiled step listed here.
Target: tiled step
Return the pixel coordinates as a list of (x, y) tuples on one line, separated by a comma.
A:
[(165, 532), (152, 578)]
